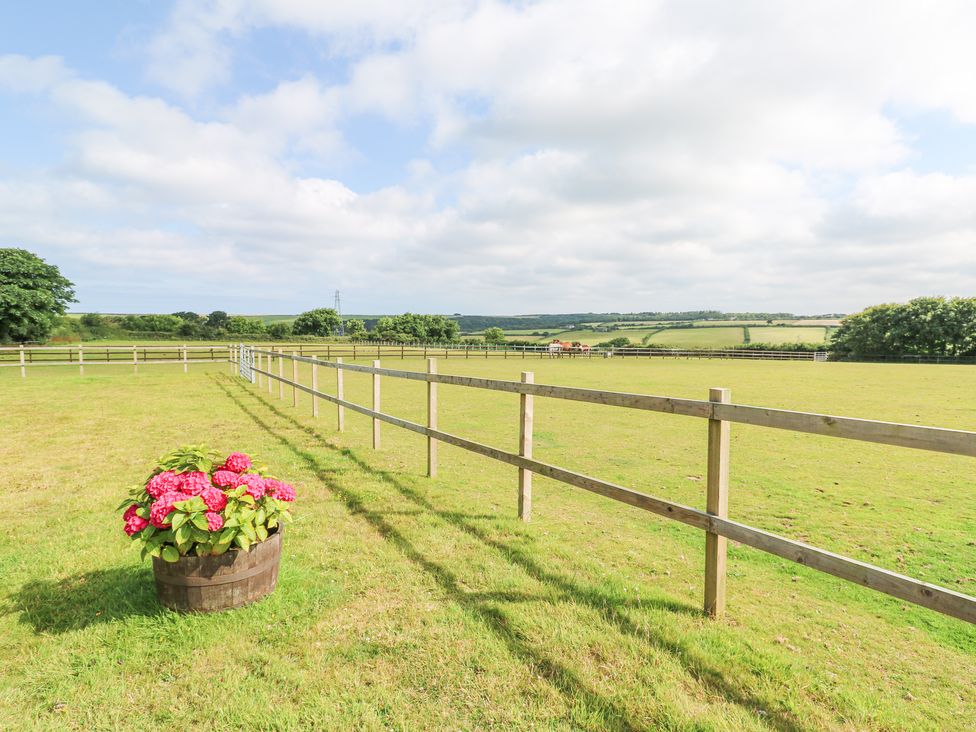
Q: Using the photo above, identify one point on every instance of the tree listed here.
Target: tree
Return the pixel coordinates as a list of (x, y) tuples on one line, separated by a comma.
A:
[(925, 326), (33, 296), (355, 329), (217, 319), (494, 335), (413, 327), (318, 322), (239, 325), (188, 316), (279, 331)]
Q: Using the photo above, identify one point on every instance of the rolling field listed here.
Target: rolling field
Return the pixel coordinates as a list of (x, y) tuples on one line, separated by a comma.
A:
[(411, 603), (699, 337), (592, 337), (787, 335)]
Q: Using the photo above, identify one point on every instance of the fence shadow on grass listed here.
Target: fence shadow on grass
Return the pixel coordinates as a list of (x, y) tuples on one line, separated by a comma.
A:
[(611, 609), (75, 602)]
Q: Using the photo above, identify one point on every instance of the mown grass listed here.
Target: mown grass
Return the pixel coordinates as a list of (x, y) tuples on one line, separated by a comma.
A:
[(410, 603)]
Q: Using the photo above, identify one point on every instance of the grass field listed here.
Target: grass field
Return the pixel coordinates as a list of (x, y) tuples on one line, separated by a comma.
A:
[(592, 337), (699, 337), (787, 335), (409, 603)]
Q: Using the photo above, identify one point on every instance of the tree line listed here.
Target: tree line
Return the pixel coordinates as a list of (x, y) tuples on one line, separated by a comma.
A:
[(925, 326)]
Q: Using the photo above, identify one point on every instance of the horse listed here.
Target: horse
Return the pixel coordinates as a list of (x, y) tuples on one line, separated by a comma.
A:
[(557, 347)]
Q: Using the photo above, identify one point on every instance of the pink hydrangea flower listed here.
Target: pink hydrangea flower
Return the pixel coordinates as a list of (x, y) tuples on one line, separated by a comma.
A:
[(214, 498), (238, 462), (215, 522), (194, 483), (162, 507), (133, 524), (226, 478), (162, 483), (255, 485), (279, 490)]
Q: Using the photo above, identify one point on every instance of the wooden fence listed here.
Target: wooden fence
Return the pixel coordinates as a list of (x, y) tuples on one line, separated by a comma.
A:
[(720, 413), (80, 356)]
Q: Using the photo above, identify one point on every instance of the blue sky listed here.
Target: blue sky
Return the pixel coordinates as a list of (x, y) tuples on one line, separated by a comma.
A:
[(489, 157)]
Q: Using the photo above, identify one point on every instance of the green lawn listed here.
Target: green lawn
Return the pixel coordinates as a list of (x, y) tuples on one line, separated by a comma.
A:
[(410, 603), (699, 337)]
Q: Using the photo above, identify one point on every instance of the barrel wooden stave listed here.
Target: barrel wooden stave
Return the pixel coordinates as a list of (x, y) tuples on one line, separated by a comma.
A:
[(221, 582)]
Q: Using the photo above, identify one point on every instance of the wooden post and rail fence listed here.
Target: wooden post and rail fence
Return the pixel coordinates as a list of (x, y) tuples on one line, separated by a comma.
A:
[(719, 412), (80, 356)]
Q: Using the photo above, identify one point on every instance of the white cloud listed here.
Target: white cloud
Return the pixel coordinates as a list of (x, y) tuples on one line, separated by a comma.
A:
[(639, 155)]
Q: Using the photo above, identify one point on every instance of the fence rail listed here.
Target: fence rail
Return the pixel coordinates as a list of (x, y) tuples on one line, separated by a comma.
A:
[(30, 356), (720, 413)]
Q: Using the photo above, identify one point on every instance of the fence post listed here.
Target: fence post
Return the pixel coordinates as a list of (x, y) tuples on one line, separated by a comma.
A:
[(340, 410), (315, 385), (526, 417), (81, 360), (260, 376), (23, 369), (270, 369), (717, 504), (376, 406), (294, 379), (135, 360), (431, 419), (186, 363), (281, 374)]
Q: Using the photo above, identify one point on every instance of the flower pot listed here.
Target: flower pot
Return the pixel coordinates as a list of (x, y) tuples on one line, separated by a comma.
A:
[(211, 583)]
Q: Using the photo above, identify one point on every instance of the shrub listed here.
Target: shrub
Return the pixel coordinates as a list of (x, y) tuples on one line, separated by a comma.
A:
[(194, 501), (318, 322), (279, 331)]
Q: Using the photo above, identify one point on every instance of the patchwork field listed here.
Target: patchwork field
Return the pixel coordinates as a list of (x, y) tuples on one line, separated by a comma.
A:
[(410, 603)]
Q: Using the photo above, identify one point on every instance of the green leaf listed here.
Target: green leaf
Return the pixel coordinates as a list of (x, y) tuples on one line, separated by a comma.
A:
[(183, 534), (142, 512), (200, 535), (178, 520), (261, 516), (232, 522), (226, 536), (272, 523), (246, 515), (261, 532), (220, 548), (200, 521), (249, 531), (242, 542), (170, 554), (248, 499)]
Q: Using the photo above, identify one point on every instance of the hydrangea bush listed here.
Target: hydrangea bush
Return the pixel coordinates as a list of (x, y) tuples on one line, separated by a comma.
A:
[(195, 502)]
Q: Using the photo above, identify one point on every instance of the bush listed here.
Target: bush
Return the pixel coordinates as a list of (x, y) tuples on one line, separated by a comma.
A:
[(318, 322), (279, 331)]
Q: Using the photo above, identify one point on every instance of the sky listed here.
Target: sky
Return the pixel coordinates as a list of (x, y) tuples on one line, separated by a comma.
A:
[(255, 156)]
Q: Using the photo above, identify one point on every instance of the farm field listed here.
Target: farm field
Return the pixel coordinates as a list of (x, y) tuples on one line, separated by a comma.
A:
[(787, 335), (699, 337), (412, 603), (592, 337)]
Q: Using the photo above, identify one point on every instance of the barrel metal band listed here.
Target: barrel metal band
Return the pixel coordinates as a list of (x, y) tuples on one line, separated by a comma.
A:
[(220, 579)]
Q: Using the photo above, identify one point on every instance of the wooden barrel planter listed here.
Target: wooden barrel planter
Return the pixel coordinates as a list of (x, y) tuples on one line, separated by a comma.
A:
[(207, 584)]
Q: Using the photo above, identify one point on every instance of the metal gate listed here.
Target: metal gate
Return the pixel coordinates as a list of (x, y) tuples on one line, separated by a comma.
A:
[(246, 361)]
